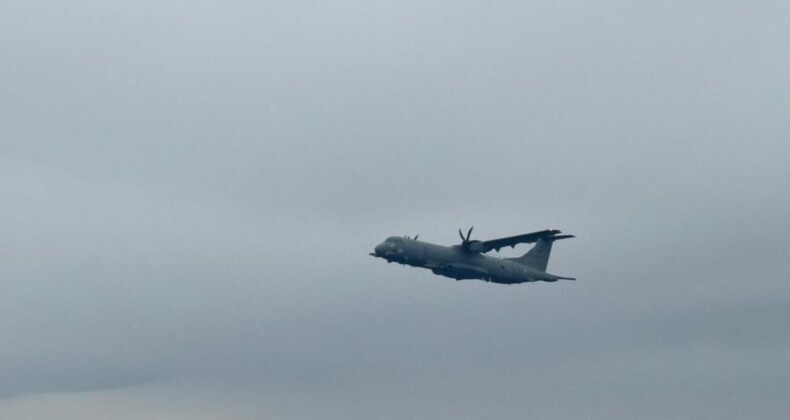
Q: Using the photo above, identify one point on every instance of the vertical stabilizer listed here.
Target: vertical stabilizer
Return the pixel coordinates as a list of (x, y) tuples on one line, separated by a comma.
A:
[(538, 256)]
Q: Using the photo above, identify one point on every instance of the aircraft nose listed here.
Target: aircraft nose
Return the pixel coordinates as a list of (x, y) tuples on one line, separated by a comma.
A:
[(379, 249)]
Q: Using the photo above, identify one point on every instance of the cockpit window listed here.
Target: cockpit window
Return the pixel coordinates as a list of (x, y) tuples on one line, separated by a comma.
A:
[(395, 240)]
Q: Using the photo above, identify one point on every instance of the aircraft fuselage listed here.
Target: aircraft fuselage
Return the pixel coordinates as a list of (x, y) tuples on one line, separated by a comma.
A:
[(457, 262)]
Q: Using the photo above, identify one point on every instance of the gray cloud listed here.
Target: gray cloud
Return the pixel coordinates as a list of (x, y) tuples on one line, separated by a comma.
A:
[(188, 192)]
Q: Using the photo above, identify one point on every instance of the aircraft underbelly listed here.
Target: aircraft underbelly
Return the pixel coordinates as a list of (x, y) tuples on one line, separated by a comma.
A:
[(460, 271)]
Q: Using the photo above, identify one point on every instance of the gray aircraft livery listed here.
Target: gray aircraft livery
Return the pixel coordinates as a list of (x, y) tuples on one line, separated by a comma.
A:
[(466, 260)]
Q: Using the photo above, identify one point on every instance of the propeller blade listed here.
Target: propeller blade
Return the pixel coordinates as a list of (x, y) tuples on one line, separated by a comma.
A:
[(461, 233), (469, 234)]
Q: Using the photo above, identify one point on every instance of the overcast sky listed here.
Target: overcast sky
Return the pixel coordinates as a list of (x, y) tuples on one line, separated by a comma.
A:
[(189, 190)]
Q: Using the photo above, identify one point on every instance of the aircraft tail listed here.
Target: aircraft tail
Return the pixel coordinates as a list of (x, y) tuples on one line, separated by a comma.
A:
[(538, 256)]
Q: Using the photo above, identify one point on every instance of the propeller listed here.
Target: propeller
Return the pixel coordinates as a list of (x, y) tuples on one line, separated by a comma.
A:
[(469, 244), (465, 240)]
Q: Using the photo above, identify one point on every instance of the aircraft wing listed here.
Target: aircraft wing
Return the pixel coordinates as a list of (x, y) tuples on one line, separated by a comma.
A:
[(511, 241)]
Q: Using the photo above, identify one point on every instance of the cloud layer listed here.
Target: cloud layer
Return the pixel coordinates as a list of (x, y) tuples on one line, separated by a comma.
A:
[(188, 192)]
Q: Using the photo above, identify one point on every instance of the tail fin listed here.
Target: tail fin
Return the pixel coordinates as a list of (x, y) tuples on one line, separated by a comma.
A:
[(538, 256)]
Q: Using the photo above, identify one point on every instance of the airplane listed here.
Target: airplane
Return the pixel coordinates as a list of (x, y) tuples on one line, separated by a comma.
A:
[(467, 260)]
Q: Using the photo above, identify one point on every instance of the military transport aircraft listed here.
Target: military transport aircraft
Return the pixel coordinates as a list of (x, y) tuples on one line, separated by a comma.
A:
[(466, 260)]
